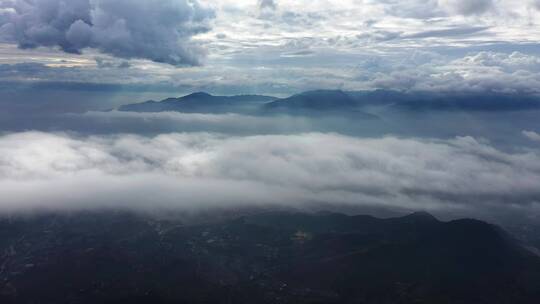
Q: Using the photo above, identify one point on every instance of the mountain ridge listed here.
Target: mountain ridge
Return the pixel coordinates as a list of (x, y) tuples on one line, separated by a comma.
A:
[(197, 102), (295, 257), (331, 101)]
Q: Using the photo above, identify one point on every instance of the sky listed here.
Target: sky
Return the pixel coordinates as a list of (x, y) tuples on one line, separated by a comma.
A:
[(64, 61), (117, 49)]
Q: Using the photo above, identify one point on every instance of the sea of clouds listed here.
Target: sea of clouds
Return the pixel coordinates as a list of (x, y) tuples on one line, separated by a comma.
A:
[(200, 170)]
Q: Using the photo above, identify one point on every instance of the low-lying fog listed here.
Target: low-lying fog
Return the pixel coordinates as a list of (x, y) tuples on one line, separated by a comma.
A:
[(450, 164)]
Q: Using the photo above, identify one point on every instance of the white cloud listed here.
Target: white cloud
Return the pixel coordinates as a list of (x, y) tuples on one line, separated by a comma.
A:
[(510, 62), (532, 135), (202, 170), (476, 72)]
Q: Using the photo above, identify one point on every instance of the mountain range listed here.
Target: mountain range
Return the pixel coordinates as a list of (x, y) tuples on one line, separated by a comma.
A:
[(201, 102), (266, 257), (331, 101)]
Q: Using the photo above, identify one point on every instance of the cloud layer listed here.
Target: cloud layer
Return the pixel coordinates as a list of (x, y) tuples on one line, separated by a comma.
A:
[(158, 30), (278, 47), (200, 170), (480, 72)]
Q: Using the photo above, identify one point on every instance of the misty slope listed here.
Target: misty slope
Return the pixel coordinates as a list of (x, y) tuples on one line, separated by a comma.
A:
[(345, 103), (320, 102), (264, 258), (200, 103), (337, 100), (315, 100), (468, 102)]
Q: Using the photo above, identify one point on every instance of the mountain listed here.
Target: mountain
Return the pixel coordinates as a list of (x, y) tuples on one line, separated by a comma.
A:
[(315, 100), (200, 103), (271, 257), (320, 102), (312, 102), (380, 97), (457, 101), (329, 102), (468, 102)]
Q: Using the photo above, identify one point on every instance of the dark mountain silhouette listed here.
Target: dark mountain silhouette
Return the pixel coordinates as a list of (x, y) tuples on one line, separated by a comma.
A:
[(273, 257), (200, 103)]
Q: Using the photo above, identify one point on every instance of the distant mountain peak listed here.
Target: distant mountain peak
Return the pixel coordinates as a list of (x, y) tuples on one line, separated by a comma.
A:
[(420, 216), (202, 102), (315, 100), (321, 91), (198, 95), (324, 94)]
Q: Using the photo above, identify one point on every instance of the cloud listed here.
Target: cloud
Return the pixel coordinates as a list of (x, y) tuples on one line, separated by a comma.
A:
[(476, 72), (307, 45), (267, 4), (468, 7), (158, 30), (419, 9), (451, 32), (106, 64), (531, 135), (201, 170), (296, 68), (230, 123)]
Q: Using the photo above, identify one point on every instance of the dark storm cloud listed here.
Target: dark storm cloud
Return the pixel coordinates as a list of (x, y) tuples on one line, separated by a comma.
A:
[(158, 30)]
